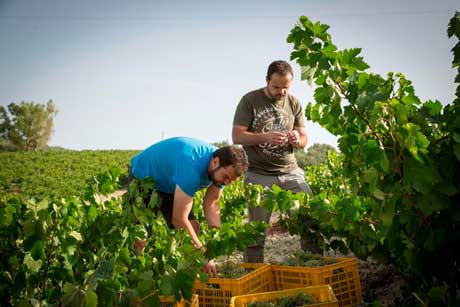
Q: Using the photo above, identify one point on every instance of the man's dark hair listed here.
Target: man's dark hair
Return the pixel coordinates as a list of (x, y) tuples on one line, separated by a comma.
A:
[(281, 67), (233, 155)]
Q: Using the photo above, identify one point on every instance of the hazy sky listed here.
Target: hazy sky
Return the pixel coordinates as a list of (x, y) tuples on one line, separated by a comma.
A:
[(124, 74)]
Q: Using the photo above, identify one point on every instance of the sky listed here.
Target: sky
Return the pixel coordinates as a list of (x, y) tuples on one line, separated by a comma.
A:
[(126, 74)]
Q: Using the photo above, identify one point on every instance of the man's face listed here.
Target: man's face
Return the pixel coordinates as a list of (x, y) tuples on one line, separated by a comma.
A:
[(278, 85), (223, 175)]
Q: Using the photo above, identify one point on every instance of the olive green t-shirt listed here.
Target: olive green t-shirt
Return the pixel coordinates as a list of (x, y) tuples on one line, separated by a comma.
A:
[(262, 114)]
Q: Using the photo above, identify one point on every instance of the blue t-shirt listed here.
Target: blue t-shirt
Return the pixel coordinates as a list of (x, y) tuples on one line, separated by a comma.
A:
[(177, 161)]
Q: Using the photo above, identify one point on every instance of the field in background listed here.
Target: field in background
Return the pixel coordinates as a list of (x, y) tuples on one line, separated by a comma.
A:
[(56, 173)]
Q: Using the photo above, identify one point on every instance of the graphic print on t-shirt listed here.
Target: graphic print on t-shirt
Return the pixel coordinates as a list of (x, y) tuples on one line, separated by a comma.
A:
[(273, 118)]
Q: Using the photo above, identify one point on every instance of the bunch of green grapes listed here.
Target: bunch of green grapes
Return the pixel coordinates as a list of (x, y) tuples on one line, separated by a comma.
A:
[(307, 259), (232, 270), (300, 299)]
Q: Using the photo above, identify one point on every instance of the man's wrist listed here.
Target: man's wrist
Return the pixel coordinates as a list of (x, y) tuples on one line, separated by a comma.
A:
[(200, 247), (265, 137)]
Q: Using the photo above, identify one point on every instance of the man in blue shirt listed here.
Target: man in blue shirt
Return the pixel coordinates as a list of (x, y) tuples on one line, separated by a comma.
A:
[(181, 166)]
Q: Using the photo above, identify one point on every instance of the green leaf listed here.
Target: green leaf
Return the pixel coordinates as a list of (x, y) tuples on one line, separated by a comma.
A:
[(323, 94), (145, 285), (90, 299), (114, 171), (92, 213), (330, 51), (360, 64), (416, 142), (133, 189), (384, 163), (124, 256), (411, 100), (457, 137), (433, 107), (349, 54), (154, 201), (38, 250), (453, 28), (447, 188), (387, 213), (153, 300), (313, 112), (73, 296), (139, 233), (204, 277), (457, 151), (362, 80), (318, 29), (76, 235), (103, 271), (370, 176), (31, 264), (167, 285), (399, 111), (432, 202), (308, 73), (372, 152), (184, 281), (28, 227), (437, 295), (106, 187), (20, 281), (410, 255), (378, 194), (422, 177)]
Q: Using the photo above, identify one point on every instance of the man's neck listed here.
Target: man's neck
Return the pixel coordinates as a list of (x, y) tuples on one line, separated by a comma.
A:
[(276, 100), (267, 93)]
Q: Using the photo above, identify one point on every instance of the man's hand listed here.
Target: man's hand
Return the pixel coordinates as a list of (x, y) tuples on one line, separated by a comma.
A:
[(200, 247), (139, 245), (210, 269), (276, 138), (294, 137)]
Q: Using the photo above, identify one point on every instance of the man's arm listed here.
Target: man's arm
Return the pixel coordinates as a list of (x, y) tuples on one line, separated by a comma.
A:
[(181, 209), (241, 135), (211, 206)]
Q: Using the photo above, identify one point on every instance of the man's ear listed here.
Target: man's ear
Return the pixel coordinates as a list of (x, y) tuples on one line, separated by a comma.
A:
[(215, 162)]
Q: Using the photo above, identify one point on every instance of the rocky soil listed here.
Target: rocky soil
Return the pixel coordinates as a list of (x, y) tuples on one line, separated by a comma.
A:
[(381, 284)]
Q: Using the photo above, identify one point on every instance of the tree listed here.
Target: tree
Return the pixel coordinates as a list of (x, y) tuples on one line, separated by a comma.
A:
[(315, 155), (28, 125), (399, 189)]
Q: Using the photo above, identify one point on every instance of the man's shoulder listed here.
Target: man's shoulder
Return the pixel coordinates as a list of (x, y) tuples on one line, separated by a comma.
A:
[(292, 99), (254, 94), (184, 144)]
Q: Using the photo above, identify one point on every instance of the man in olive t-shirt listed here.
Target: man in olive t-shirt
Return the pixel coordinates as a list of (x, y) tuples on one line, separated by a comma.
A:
[(269, 124)]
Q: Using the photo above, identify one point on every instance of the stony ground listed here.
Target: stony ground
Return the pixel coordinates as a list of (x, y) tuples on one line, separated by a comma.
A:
[(380, 283)]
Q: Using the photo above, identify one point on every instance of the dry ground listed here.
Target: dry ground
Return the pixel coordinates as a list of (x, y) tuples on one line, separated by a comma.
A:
[(379, 283)]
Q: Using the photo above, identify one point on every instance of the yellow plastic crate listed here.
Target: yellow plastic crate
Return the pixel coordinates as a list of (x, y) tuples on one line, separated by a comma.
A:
[(183, 303), (217, 292), (323, 294), (343, 277)]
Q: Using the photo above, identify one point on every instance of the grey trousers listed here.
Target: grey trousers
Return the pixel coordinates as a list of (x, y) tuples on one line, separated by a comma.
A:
[(294, 181)]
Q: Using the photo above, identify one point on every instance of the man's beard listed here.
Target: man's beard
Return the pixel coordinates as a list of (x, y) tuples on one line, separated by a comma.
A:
[(274, 96), (212, 176)]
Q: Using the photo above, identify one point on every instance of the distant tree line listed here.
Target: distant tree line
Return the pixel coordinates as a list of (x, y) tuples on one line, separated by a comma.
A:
[(314, 155), (221, 143)]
